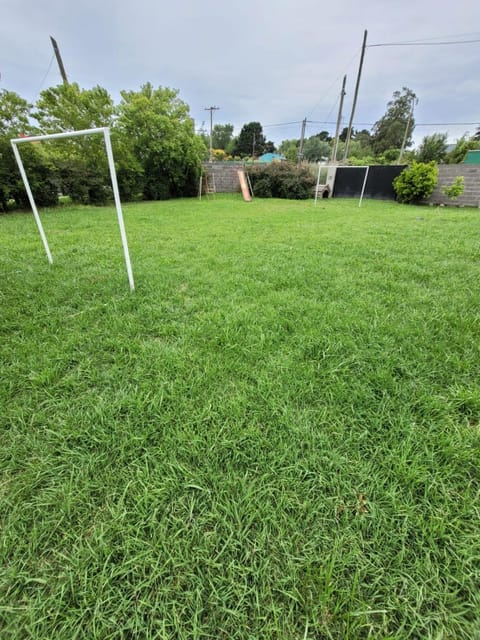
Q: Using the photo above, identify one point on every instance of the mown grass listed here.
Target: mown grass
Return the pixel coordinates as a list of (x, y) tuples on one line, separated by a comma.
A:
[(276, 436)]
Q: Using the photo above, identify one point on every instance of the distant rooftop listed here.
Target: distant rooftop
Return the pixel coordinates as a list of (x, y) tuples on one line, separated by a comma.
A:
[(472, 157)]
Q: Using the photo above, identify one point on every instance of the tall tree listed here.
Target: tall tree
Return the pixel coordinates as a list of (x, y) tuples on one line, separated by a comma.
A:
[(251, 141), (156, 126), (80, 162), (397, 124), (14, 121), (14, 114), (316, 149), (67, 107), (222, 135), (433, 147)]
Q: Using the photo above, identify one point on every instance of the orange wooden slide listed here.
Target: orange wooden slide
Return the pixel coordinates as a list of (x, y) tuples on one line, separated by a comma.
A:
[(244, 185)]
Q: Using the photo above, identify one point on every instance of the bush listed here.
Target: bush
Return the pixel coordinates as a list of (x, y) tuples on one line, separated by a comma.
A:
[(282, 180), (454, 190), (416, 182)]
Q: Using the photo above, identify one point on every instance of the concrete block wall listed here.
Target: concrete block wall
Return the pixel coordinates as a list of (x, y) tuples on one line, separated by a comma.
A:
[(225, 175), (447, 174)]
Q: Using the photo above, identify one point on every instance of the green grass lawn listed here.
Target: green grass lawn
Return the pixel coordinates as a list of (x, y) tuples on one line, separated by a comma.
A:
[(276, 436)]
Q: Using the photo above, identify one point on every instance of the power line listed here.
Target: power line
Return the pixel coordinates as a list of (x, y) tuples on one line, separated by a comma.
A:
[(424, 44), (46, 74)]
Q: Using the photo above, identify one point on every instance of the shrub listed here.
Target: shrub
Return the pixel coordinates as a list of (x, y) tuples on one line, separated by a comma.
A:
[(454, 190), (282, 180), (416, 182)]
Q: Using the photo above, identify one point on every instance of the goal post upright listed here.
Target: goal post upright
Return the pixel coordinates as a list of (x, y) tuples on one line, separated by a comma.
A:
[(113, 177), (32, 201)]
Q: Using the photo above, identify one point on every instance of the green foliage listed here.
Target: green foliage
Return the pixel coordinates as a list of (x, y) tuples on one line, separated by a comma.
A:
[(155, 125), (454, 190), (14, 114), (389, 131), (433, 147), (282, 180), (222, 136), (250, 141), (416, 182), (289, 148), (315, 149), (463, 145)]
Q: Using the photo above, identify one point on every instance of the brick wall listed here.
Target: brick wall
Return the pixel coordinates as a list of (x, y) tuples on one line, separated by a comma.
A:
[(447, 174), (225, 175)]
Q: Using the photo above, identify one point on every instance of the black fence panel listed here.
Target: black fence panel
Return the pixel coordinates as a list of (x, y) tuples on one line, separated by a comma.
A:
[(349, 182)]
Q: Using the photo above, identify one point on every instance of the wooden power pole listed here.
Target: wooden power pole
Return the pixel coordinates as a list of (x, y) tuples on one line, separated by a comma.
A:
[(59, 60), (302, 140), (339, 121), (357, 86), (211, 109)]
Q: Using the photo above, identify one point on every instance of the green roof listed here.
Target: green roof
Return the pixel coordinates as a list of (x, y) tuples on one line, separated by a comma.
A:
[(472, 157)]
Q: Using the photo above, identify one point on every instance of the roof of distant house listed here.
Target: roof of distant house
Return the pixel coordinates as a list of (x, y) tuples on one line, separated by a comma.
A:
[(271, 157), (472, 157)]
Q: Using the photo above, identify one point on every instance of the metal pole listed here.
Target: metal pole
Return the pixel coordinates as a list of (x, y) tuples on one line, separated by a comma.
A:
[(318, 182), (363, 187), (357, 86), (339, 121), (32, 201), (116, 195)]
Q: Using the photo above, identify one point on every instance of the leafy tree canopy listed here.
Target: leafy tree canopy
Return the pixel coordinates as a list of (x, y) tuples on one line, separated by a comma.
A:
[(251, 141), (289, 148), (222, 136), (389, 131), (157, 127), (433, 147), (67, 107), (14, 114)]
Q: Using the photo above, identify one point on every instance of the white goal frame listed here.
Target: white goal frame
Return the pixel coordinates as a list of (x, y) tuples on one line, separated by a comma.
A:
[(113, 177), (336, 166)]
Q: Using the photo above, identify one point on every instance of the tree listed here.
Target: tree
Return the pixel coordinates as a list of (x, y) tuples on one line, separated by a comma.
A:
[(316, 149), (157, 128), (251, 141), (476, 135), (289, 148), (14, 121), (80, 163), (433, 147), (222, 135), (389, 132), (14, 114)]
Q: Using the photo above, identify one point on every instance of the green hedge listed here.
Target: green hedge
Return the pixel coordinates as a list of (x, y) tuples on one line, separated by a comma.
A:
[(282, 180)]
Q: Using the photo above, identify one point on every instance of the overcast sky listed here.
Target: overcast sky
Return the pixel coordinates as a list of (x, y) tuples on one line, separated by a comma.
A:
[(273, 61)]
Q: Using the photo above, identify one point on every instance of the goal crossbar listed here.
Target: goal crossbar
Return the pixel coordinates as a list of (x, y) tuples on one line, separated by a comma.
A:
[(113, 176)]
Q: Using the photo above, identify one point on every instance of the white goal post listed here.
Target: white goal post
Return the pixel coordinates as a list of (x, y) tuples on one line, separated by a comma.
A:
[(332, 169), (113, 177)]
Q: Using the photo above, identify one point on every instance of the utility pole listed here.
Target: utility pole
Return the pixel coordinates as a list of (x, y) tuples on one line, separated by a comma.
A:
[(59, 60), (339, 121), (211, 109), (357, 86), (302, 140)]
